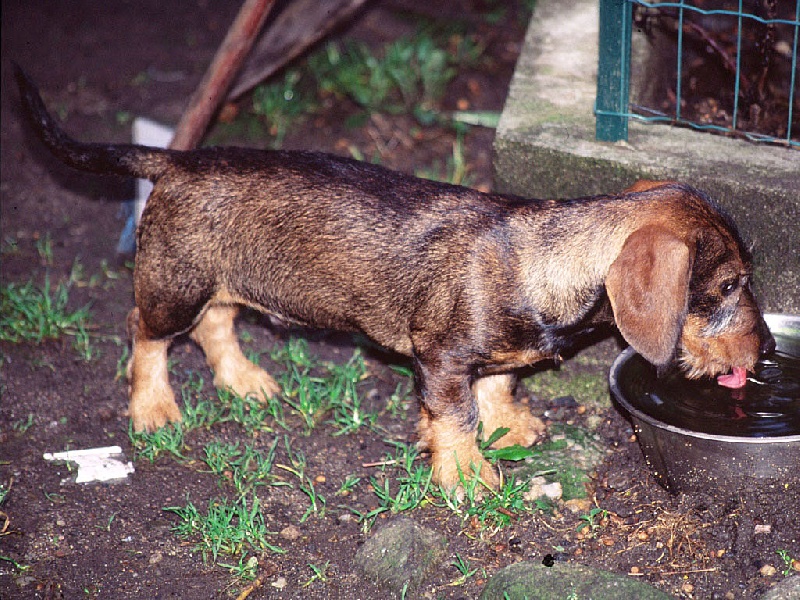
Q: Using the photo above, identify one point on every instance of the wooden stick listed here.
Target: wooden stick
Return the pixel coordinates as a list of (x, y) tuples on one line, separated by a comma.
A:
[(221, 73), (301, 24)]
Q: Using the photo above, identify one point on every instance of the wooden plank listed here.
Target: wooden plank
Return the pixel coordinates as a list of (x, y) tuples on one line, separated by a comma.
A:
[(301, 24), (220, 74)]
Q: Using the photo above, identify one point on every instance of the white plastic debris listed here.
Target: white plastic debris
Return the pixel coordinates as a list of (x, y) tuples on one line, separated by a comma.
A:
[(96, 464), (763, 529), (148, 133)]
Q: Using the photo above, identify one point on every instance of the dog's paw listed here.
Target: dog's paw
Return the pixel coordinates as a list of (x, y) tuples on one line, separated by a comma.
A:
[(524, 429), (497, 409), (453, 470), (152, 402), (247, 379), (153, 409)]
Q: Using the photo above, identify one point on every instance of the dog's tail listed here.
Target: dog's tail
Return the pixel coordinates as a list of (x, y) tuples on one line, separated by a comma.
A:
[(120, 159)]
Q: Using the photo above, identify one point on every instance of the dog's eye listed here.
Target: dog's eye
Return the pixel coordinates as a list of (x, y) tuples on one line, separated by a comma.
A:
[(728, 287)]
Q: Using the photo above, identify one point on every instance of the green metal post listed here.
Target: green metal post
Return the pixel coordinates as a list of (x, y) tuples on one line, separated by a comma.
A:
[(613, 70)]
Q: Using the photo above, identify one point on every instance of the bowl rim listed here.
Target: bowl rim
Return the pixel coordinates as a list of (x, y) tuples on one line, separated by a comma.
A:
[(774, 321)]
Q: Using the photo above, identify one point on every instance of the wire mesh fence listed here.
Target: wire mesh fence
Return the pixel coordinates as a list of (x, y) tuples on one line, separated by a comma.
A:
[(725, 66)]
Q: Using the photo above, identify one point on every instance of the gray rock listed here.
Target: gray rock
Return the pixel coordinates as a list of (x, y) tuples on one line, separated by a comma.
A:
[(788, 589), (534, 581), (401, 555)]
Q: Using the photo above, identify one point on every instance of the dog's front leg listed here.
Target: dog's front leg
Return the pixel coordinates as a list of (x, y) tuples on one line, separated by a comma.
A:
[(217, 338), (448, 425)]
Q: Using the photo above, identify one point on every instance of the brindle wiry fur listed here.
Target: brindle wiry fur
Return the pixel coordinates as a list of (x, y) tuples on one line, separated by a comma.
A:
[(470, 285)]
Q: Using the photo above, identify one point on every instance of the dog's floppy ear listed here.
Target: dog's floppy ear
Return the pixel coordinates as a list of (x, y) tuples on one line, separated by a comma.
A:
[(648, 286)]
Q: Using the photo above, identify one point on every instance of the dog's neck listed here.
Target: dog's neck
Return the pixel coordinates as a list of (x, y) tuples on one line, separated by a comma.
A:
[(568, 281)]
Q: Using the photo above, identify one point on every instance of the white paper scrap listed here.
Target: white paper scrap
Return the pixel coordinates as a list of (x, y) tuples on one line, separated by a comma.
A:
[(96, 464)]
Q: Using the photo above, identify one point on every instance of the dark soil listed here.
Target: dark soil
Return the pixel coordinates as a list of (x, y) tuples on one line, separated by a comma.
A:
[(58, 539)]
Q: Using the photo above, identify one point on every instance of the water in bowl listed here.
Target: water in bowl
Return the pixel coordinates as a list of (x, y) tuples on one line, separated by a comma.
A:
[(768, 406)]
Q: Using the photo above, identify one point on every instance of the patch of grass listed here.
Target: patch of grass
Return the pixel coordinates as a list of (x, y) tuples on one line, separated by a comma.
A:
[(229, 527), (202, 412), (407, 489), (593, 520), (464, 568), (455, 170), (297, 467), (244, 468), (237, 527), (303, 392), (21, 426), (282, 104), (320, 573), (406, 485), (487, 509), (167, 440), (250, 413), (32, 313), (498, 509), (233, 528), (347, 414), (315, 389), (411, 73)]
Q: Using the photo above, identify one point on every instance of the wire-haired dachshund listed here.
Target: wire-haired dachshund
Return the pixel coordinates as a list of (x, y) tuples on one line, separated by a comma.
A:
[(470, 285)]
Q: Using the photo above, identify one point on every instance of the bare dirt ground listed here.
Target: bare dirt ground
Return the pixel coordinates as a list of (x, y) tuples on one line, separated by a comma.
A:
[(97, 62)]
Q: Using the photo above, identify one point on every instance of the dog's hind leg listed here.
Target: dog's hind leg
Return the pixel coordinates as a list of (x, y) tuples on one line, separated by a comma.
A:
[(217, 338), (496, 408), (152, 402)]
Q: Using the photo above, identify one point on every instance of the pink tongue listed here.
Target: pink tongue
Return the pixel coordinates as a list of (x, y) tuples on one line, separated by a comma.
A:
[(735, 380)]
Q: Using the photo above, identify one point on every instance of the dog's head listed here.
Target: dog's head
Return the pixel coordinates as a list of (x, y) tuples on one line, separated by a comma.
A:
[(680, 287)]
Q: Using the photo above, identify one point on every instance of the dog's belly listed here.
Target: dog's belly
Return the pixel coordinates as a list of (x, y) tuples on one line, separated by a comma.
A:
[(334, 309)]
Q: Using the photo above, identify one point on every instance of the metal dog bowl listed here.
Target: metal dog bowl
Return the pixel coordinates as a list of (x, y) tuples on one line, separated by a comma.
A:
[(700, 436)]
